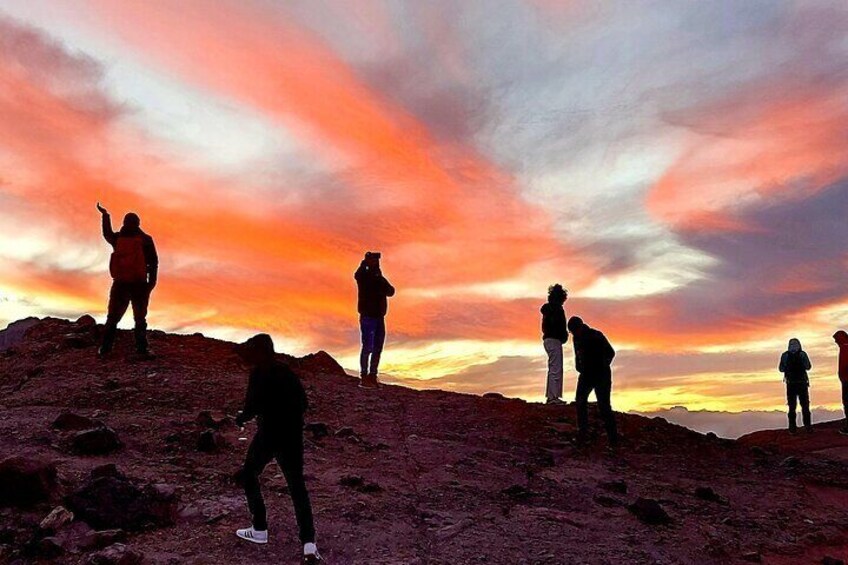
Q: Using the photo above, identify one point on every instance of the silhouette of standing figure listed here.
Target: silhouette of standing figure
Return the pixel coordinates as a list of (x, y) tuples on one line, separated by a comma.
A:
[(275, 397), (794, 364), (593, 357), (134, 267), (554, 336), (841, 339), (374, 291)]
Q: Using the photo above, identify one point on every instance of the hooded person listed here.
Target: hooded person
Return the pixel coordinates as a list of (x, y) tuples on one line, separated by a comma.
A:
[(134, 267), (276, 399), (374, 290), (554, 336), (794, 364), (841, 339)]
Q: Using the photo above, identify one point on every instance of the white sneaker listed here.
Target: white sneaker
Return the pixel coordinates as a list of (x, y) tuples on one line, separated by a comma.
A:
[(252, 535), (311, 555)]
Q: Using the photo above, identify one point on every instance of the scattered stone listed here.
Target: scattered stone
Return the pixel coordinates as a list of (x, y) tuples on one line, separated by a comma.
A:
[(104, 538), (607, 501), (828, 560), (105, 470), (86, 321), (712, 435), (370, 488), (708, 494), (619, 486), (116, 554), (57, 518), (115, 502), (209, 441), (352, 481), (111, 384), (49, 547), (345, 432), (753, 557), (517, 492), (25, 481), (494, 396), (78, 340), (317, 429), (649, 511), (71, 421), (96, 441)]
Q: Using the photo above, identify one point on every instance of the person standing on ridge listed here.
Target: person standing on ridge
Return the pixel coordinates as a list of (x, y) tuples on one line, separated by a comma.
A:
[(794, 364), (134, 267), (275, 397), (554, 336), (841, 339), (374, 291), (593, 357)]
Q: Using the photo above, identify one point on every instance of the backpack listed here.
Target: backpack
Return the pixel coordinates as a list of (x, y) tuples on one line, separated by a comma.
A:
[(795, 369), (128, 263)]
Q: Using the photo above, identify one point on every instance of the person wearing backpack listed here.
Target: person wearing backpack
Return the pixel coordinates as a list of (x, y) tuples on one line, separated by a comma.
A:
[(794, 364), (134, 267), (554, 336), (841, 339)]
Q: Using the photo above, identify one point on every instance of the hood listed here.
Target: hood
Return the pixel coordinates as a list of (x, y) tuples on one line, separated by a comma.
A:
[(841, 337), (794, 345)]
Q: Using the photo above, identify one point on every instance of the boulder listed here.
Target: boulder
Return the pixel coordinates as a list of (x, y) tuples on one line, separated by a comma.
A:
[(494, 396), (71, 421), (708, 494), (86, 321), (117, 503), (78, 340), (57, 518), (25, 481), (649, 511), (317, 429), (116, 554), (96, 441)]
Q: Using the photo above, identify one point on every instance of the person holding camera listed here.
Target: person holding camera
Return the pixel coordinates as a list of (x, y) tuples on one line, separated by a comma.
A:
[(134, 267), (374, 291)]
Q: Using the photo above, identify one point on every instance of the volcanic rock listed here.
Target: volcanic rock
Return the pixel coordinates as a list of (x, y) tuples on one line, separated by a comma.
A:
[(117, 503), (71, 421), (209, 441), (96, 441), (116, 554), (57, 518), (317, 429), (25, 481), (708, 494), (649, 511)]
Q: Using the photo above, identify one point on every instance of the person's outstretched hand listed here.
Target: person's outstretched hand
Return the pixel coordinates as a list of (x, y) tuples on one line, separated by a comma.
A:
[(101, 209)]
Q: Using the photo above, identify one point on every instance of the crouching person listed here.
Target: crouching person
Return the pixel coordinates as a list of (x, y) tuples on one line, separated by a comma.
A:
[(275, 397), (593, 357)]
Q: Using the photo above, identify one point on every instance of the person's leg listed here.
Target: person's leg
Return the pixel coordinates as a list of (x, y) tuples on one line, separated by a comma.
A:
[(845, 402), (366, 328), (791, 400), (804, 400), (603, 392), (581, 397), (140, 302), (290, 460), (379, 341), (119, 301), (553, 389), (259, 454)]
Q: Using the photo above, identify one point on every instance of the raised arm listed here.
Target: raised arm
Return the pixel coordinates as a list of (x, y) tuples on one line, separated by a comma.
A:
[(106, 224)]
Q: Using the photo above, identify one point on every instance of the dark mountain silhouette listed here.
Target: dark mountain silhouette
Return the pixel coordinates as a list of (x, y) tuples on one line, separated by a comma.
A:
[(145, 455)]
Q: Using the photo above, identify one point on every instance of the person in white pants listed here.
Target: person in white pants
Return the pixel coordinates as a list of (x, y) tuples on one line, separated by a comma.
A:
[(554, 336)]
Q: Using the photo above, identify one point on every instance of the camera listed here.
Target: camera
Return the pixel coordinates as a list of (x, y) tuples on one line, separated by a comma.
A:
[(373, 255)]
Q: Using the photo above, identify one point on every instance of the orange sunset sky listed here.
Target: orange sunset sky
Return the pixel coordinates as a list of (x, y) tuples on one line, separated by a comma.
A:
[(681, 167)]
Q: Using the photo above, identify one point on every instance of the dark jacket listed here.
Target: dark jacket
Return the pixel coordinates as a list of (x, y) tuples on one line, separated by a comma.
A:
[(374, 290), (150, 255), (592, 352), (794, 366), (275, 397), (843, 362), (553, 322)]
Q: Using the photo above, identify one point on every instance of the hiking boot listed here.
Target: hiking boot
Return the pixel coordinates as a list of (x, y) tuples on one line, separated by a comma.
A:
[(253, 536), (369, 381), (554, 402), (793, 430)]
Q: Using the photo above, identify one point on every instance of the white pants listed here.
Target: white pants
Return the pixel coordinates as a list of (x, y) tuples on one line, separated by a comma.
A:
[(553, 347)]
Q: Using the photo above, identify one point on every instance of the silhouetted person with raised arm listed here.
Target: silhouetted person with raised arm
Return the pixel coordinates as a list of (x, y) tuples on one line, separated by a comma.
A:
[(593, 357), (554, 336), (134, 267), (275, 397), (374, 291), (841, 339), (794, 364)]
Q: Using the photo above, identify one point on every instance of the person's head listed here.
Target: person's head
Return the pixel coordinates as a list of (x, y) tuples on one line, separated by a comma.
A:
[(257, 350), (576, 325), (372, 258), (132, 221), (557, 294), (841, 337), (794, 345)]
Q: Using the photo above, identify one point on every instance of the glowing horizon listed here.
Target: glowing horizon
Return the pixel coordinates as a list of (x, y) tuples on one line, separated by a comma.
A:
[(685, 178)]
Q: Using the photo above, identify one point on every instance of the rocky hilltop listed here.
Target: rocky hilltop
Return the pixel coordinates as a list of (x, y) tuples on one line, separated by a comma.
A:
[(133, 460)]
